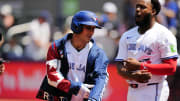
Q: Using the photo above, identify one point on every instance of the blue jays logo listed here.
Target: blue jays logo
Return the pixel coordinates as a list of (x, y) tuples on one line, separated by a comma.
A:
[(142, 48), (94, 19), (132, 47), (80, 67), (145, 49)]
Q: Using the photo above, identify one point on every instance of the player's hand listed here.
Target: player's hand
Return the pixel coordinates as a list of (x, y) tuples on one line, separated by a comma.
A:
[(142, 76), (131, 64), (84, 92), (2, 68)]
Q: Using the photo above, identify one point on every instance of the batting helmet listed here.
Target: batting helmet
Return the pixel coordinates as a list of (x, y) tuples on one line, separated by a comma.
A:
[(83, 18)]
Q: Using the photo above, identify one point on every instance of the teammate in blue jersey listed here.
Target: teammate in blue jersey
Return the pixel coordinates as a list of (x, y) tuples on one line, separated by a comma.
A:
[(76, 66)]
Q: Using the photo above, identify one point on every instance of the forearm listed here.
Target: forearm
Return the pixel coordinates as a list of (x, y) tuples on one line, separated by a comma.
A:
[(167, 67), (56, 79), (99, 87), (100, 77)]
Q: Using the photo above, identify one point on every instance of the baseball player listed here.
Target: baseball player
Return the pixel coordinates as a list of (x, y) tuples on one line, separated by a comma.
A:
[(147, 54), (76, 67)]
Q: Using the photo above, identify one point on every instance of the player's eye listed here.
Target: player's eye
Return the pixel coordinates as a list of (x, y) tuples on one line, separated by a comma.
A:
[(138, 6), (89, 27)]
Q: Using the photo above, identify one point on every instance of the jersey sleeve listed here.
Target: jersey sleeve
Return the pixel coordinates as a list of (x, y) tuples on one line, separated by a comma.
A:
[(101, 76), (168, 46), (122, 49), (53, 65)]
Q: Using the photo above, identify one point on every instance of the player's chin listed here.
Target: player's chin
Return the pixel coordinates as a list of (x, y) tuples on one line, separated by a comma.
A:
[(88, 39), (139, 23), (137, 19)]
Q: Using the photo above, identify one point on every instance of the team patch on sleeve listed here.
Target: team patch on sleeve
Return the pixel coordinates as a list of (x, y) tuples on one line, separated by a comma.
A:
[(173, 49)]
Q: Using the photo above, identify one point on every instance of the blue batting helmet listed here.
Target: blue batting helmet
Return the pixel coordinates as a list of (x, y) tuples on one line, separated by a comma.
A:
[(83, 18)]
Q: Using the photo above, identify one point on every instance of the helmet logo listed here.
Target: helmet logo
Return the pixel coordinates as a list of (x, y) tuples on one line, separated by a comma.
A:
[(94, 18)]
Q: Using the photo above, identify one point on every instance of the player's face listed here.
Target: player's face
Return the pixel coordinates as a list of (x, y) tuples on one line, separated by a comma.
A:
[(143, 15), (87, 33)]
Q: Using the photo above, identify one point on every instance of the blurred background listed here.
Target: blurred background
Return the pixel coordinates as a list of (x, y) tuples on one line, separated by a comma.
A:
[(29, 26)]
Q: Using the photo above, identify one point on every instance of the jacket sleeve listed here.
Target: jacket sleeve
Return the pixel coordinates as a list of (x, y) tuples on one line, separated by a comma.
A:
[(101, 76), (55, 77)]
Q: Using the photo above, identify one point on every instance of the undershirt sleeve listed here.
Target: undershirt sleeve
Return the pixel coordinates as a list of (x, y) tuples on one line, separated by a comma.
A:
[(167, 67)]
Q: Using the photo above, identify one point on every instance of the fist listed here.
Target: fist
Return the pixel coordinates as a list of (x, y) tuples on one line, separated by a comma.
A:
[(142, 76), (84, 91), (131, 64)]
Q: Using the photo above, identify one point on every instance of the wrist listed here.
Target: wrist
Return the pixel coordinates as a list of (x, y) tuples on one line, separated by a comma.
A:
[(142, 66)]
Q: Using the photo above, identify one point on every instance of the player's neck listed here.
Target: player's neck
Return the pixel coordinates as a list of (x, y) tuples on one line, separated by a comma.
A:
[(77, 43), (143, 29)]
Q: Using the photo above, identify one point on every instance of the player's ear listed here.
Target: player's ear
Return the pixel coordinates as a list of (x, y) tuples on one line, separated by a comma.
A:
[(153, 12)]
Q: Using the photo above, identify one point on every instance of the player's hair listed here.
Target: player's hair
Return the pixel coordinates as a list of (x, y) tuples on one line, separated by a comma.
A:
[(83, 18), (156, 5)]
